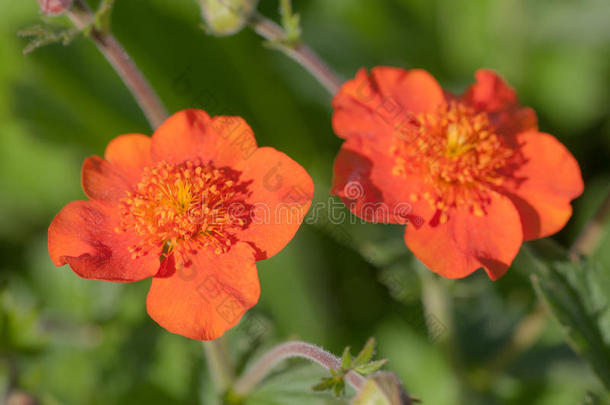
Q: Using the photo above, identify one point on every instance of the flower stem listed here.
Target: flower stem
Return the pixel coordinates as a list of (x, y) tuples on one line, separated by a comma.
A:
[(301, 53), (81, 16), (263, 366), (589, 237), (219, 363)]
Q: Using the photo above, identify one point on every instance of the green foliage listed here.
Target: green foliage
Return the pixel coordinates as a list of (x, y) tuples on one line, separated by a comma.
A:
[(43, 35), (76, 341), (577, 294), (52, 32), (103, 16), (362, 364), (291, 22), (292, 386)]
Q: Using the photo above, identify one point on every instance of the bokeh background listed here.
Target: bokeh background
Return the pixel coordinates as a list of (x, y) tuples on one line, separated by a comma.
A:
[(66, 340)]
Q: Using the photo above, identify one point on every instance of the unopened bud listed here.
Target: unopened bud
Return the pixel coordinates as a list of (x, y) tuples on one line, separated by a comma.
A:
[(383, 388), (54, 7), (226, 17)]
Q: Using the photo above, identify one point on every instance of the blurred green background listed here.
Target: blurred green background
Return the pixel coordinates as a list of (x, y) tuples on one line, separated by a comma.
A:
[(66, 340)]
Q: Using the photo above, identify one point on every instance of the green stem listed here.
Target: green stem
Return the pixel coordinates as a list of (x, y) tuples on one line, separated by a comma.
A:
[(219, 363)]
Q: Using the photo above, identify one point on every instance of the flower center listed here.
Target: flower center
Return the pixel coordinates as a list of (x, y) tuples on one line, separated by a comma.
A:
[(457, 152), (181, 208)]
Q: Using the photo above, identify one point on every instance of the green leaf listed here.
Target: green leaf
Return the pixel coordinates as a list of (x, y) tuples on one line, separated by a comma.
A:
[(292, 386), (576, 294), (371, 367), (291, 23), (103, 15), (335, 383), (366, 354), (339, 388), (346, 359), (46, 35), (325, 384)]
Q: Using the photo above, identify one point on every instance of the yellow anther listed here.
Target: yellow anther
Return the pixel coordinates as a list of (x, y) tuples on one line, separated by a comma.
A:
[(457, 152)]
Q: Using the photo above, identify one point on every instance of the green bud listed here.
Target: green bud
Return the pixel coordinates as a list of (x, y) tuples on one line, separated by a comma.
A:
[(383, 389), (226, 17)]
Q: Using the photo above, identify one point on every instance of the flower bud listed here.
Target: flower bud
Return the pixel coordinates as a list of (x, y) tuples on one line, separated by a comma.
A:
[(226, 17), (54, 7), (383, 388)]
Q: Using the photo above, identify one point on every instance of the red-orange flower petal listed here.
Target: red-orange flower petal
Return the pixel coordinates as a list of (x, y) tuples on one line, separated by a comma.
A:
[(192, 134), (415, 90), (129, 155), (543, 187), (280, 195), (490, 93), (375, 104), (207, 297), (108, 179), (101, 181), (83, 236), (467, 242), (364, 179), (370, 112)]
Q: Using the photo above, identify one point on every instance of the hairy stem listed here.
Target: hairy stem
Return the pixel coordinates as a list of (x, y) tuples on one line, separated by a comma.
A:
[(82, 17), (301, 53), (263, 366), (589, 237), (219, 363)]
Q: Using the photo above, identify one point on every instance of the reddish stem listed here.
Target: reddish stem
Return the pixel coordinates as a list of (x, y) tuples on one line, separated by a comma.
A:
[(301, 53), (82, 17), (263, 366)]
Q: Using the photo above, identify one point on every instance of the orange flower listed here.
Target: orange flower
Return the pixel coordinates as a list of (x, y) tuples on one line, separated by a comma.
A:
[(193, 207), (471, 173)]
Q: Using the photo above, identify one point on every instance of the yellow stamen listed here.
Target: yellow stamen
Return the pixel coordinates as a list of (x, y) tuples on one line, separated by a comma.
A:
[(458, 154), (175, 209)]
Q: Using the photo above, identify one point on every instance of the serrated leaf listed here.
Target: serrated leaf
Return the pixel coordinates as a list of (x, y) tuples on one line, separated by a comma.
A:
[(366, 354), (571, 292), (371, 367)]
